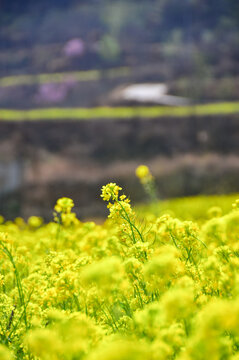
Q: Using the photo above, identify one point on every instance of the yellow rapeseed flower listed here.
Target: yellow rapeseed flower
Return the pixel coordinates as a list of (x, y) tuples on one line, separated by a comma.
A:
[(64, 205), (110, 191), (142, 171)]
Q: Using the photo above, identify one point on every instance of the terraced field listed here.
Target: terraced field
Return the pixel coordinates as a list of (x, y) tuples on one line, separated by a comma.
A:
[(227, 108)]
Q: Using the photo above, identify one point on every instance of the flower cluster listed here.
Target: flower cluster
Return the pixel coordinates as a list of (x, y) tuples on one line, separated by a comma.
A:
[(110, 191), (163, 289), (63, 214)]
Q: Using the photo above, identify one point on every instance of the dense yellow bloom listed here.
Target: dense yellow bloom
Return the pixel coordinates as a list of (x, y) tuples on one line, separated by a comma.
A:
[(35, 221), (106, 272), (235, 205), (45, 344), (163, 267), (214, 211), (5, 354), (157, 288), (122, 350)]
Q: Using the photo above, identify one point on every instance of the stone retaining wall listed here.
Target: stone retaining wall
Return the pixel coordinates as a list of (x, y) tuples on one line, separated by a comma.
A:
[(42, 160)]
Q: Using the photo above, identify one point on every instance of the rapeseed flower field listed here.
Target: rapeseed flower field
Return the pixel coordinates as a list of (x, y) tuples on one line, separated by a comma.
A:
[(151, 287)]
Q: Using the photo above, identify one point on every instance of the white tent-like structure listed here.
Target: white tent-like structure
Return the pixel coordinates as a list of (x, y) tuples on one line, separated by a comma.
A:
[(146, 94)]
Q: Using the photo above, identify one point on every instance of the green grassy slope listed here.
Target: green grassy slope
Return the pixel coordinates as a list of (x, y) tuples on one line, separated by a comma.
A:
[(89, 75), (193, 208)]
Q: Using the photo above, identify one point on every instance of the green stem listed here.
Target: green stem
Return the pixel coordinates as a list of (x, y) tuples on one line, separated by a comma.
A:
[(173, 238), (18, 280), (132, 225)]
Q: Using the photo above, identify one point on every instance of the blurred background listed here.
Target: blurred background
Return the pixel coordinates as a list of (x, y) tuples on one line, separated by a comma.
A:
[(91, 89)]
